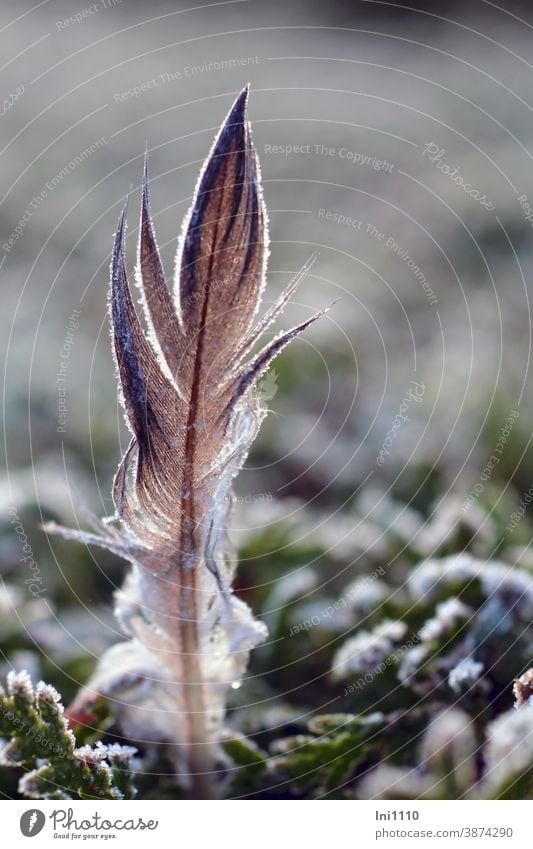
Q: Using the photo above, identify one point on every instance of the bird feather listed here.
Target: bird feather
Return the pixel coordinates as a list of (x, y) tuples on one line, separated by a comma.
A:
[(187, 385)]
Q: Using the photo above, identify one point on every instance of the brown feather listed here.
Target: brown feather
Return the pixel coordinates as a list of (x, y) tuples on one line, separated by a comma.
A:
[(190, 405)]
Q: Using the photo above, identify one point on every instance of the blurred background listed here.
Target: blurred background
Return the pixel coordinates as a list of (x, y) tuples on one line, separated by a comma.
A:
[(394, 139)]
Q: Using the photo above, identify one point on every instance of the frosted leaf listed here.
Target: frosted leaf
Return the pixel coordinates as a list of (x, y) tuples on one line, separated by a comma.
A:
[(449, 744), (365, 651), (449, 614), (509, 748), (392, 782), (20, 687), (510, 585), (465, 674), (364, 595), (523, 689)]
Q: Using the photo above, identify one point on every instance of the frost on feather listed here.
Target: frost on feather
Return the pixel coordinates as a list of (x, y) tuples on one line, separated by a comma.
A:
[(187, 382)]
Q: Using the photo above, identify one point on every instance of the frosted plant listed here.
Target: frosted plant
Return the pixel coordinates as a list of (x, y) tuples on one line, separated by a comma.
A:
[(465, 675), (509, 755), (188, 391), (365, 595), (523, 689), (365, 651), (38, 738), (448, 616), (505, 584), (394, 782)]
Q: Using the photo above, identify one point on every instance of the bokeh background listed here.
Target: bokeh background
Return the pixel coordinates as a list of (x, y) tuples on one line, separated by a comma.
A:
[(394, 139)]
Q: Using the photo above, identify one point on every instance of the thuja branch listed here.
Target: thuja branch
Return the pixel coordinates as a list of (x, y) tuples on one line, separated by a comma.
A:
[(40, 741)]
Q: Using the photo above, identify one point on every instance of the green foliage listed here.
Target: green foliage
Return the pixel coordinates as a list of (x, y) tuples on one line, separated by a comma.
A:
[(249, 764), (322, 762), (405, 662), (40, 741), (423, 652)]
